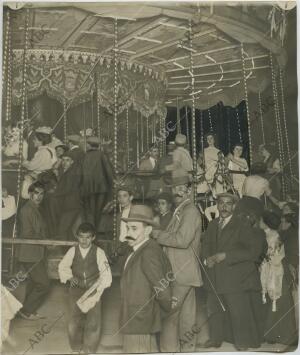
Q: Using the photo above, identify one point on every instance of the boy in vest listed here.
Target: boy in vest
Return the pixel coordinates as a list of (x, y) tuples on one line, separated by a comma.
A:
[(85, 265)]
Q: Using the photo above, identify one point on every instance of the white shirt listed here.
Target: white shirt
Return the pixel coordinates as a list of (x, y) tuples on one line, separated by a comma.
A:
[(65, 271), (9, 208), (123, 226), (43, 160), (135, 248), (153, 162), (182, 159)]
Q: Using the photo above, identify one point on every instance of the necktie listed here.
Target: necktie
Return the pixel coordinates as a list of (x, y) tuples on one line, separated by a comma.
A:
[(221, 225)]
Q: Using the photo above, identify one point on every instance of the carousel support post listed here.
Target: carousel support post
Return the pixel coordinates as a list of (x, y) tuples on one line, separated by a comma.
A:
[(194, 152), (147, 133), (115, 126), (210, 118), (285, 125), (187, 126), (65, 120), (228, 130), (92, 109), (202, 133), (127, 138), (261, 119), (278, 126), (23, 105), (9, 76), (98, 108), (247, 103), (137, 141), (5, 60), (178, 116), (84, 126), (142, 133)]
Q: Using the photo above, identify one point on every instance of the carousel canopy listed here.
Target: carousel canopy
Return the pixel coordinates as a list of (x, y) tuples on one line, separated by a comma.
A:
[(157, 44)]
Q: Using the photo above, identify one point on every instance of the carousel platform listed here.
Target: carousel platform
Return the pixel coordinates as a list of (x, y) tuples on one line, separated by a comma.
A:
[(56, 341)]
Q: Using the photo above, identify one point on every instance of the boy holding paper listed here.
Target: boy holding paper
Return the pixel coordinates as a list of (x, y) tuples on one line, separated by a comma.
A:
[(86, 268)]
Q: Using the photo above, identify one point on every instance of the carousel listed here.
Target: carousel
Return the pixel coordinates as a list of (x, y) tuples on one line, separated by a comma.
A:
[(136, 75)]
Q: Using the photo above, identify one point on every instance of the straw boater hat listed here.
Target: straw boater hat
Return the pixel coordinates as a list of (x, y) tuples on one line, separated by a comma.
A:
[(141, 213), (180, 139), (44, 130)]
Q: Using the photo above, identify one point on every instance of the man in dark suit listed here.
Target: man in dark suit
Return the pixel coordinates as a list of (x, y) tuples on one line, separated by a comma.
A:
[(97, 181), (145, 285), (32, 257), (230, 253), (67, 197)]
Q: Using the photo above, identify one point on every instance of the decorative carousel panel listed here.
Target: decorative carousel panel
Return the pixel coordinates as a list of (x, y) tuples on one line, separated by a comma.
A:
[(66, 77)]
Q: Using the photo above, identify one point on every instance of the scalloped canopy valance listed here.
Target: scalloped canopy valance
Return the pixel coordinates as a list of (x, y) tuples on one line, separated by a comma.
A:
[(73, 77)]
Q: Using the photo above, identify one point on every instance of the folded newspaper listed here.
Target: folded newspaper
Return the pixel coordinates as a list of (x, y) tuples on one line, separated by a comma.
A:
[(88, 300)]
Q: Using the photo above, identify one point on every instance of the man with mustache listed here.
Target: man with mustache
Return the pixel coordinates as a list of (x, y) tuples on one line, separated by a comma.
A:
[(230, 253), (145, 284), (181, 242)]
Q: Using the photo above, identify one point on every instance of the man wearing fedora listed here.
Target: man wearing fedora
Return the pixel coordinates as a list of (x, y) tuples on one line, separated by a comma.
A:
[(145, 291), (181, 242), (229, 253)]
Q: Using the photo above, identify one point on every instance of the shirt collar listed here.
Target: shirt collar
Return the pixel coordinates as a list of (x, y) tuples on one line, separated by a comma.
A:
[(225, 220), (137, 246), (84, 250)]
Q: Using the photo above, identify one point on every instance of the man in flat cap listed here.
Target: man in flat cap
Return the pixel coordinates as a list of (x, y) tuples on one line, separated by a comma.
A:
[(145, 284), (181, 243), (230, 253)]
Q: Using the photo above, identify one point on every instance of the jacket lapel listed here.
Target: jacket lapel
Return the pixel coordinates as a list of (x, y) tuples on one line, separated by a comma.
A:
[(134, 256), (227, 233)]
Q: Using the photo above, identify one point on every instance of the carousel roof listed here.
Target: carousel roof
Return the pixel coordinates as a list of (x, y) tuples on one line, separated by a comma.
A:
[(155, 35)]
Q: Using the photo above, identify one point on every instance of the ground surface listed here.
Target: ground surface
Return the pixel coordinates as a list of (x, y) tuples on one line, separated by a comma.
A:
[(23, 332)]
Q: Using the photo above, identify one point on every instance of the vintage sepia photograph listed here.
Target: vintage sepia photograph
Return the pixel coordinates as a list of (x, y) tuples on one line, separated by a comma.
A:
[(150, 179)]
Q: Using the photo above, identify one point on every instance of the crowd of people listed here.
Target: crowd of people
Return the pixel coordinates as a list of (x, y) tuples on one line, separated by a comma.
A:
[(245, 261)]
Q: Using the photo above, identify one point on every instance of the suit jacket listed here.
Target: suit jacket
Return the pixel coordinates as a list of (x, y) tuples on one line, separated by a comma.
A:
[(97, 173), (239, 270), (142, 305), (67, 192), (181, 241), (32, 226)]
